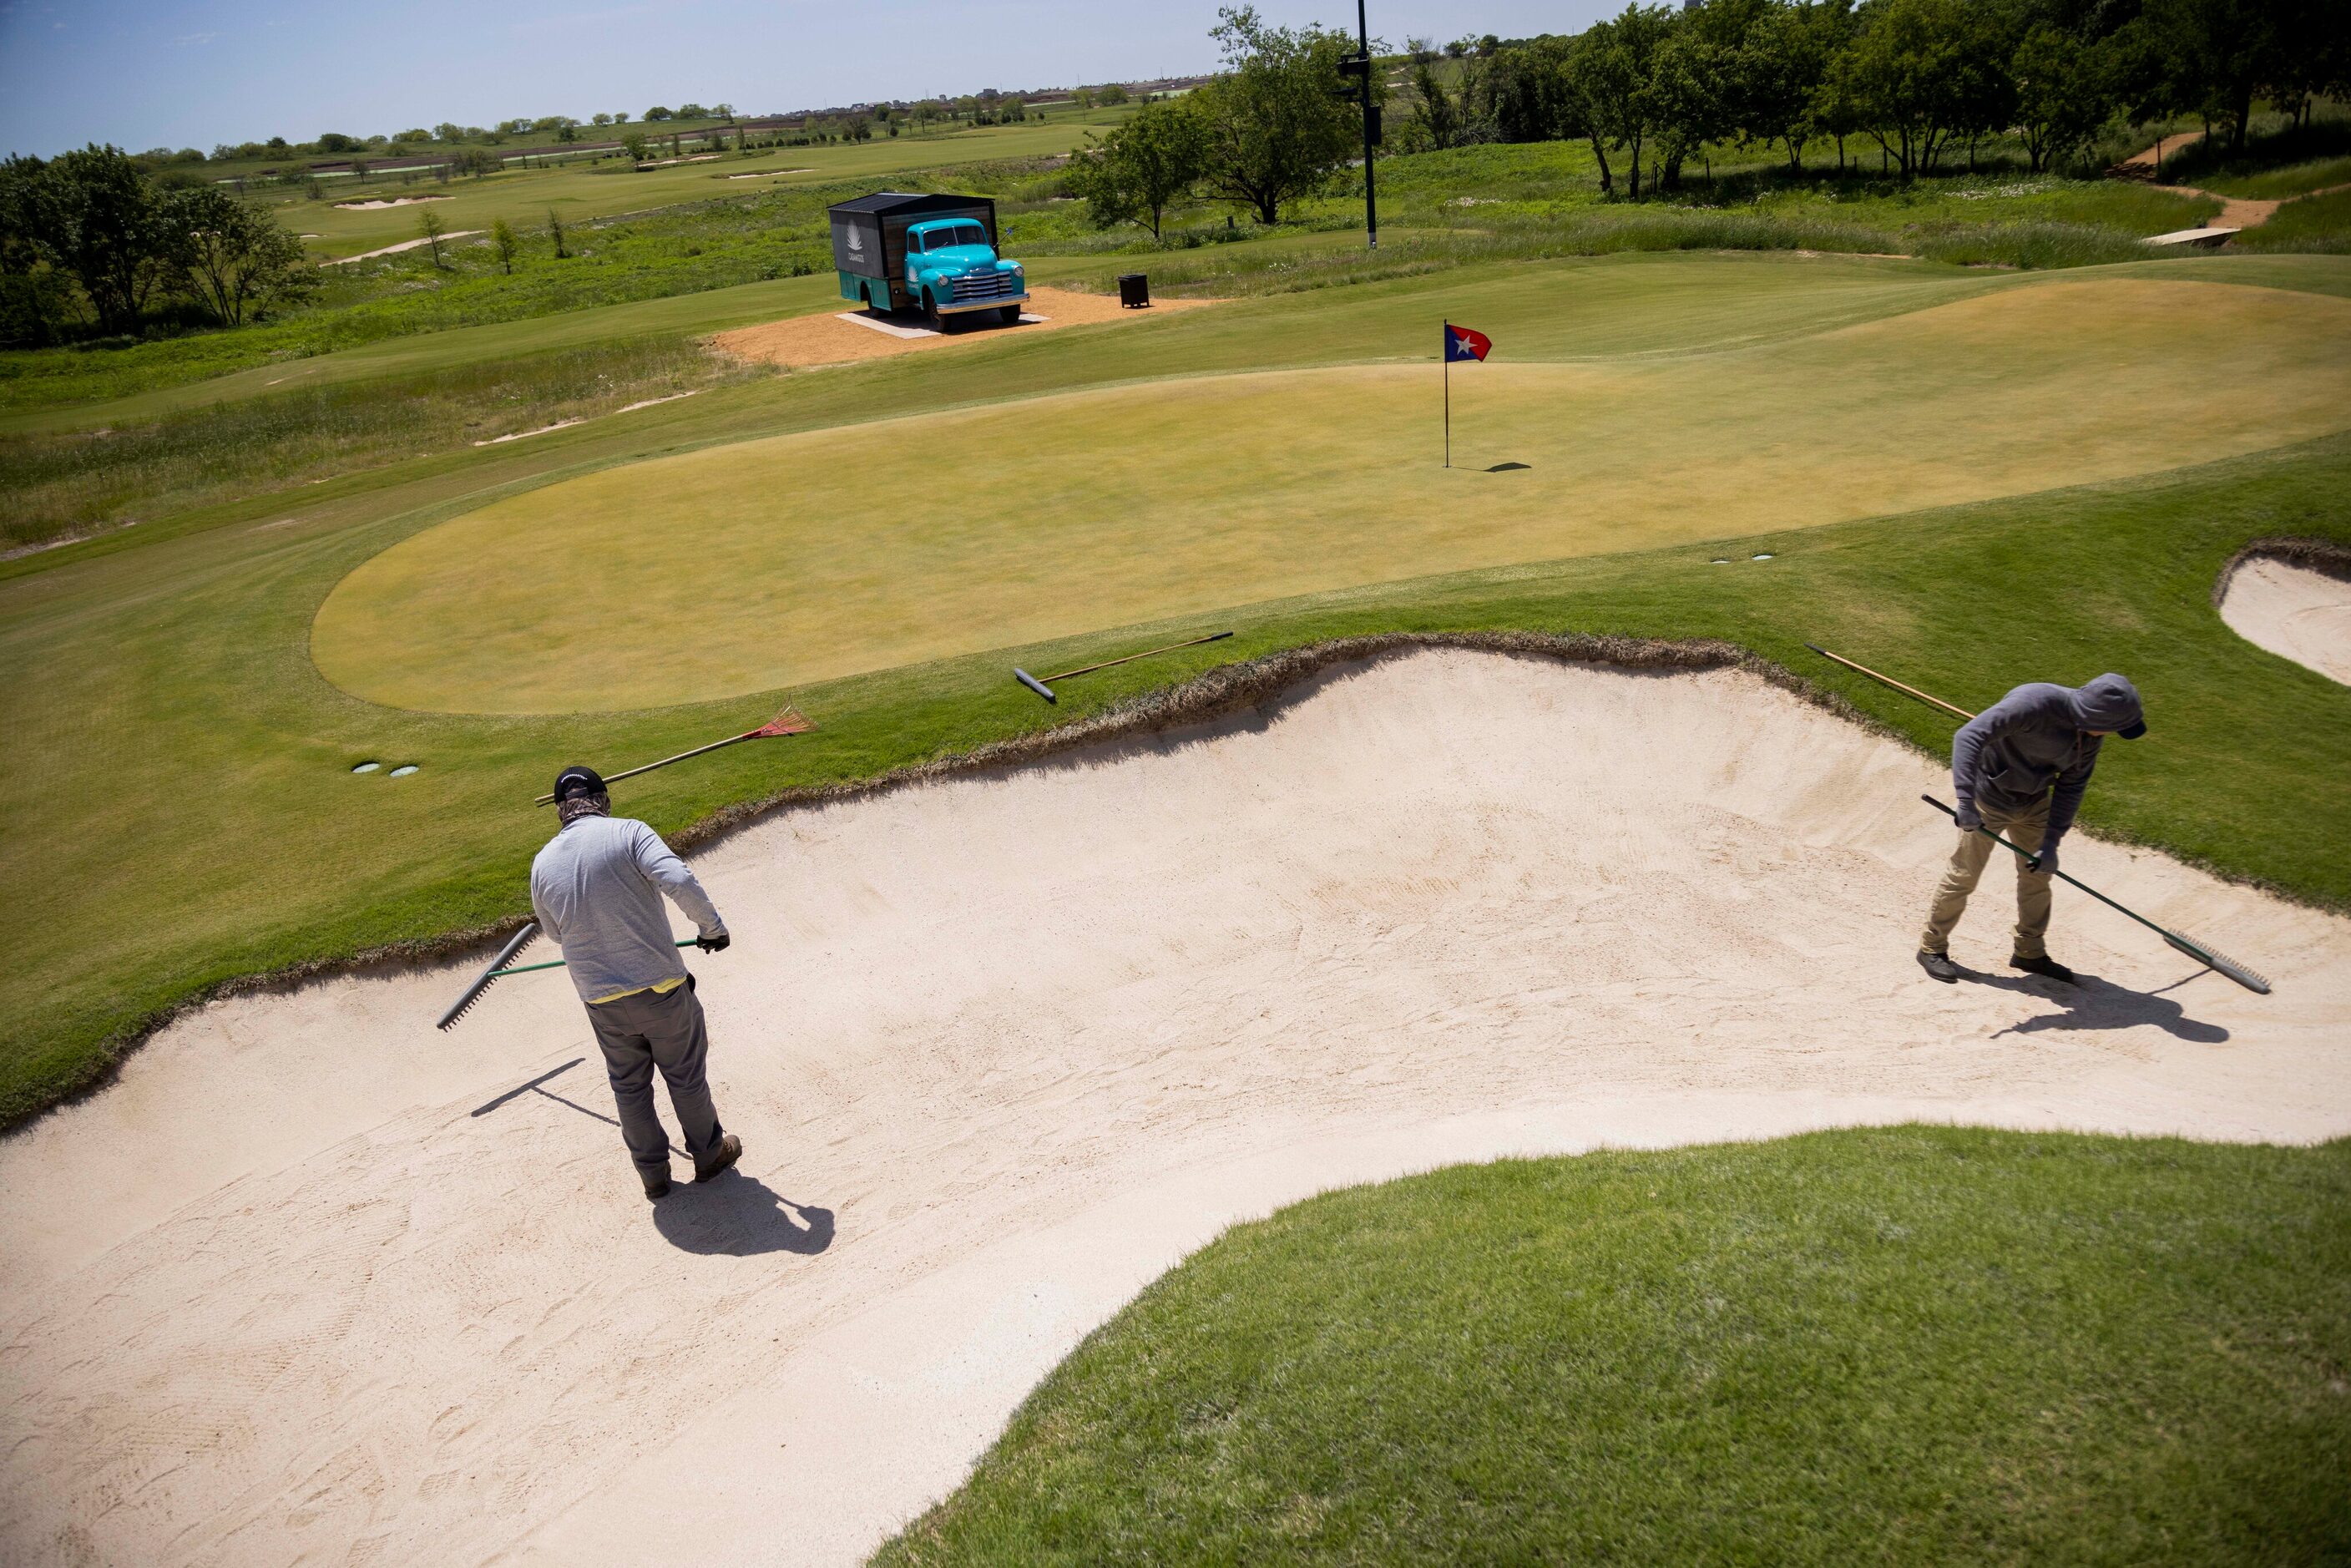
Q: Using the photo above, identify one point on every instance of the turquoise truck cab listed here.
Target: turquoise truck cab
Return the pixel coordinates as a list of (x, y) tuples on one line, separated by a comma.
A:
[(931, 252)]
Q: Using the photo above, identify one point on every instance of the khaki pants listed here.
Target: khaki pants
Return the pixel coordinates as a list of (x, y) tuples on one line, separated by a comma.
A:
[(640, 1033), (2023, 829)]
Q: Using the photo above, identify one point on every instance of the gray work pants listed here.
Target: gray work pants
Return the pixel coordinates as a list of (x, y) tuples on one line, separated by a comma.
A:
[(2023, 829), (639, 1033)]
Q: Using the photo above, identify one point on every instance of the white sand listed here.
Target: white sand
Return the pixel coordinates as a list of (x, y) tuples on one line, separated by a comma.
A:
[(2293, 611), (396, 249), (1018, 1042), (395, 201)]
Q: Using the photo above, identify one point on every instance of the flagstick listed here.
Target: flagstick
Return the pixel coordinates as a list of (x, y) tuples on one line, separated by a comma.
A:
[(1446, 352)]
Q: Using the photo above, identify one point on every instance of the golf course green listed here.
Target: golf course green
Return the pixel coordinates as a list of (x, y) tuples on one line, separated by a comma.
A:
[(739, 569)]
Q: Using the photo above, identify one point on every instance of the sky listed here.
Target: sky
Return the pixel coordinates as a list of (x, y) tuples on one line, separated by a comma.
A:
[(193, 73)]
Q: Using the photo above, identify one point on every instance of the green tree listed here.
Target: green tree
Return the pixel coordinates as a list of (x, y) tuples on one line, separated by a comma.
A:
[(1143, 166), (1278, 127), (1782, 61), (1532, 99), (233, 257), (2061, 96), (429, 224), (504, 243), (1910, 78), (657, 112), (555, 233), (1614, 73), (1448, 114), (98, 220), (633, 144)]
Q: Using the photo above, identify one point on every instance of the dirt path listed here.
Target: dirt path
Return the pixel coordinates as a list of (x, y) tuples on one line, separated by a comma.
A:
[(313, 1282), (2236, 212), (805, 342)]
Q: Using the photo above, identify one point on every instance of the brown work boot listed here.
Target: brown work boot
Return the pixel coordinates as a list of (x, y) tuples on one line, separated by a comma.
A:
[(656, 1185), (718, 1157)]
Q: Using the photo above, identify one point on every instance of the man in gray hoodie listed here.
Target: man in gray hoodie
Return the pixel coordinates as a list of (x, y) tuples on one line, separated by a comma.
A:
[(597, 888), (2019, 768)]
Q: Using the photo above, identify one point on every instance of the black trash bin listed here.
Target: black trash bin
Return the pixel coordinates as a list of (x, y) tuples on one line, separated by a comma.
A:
[(1134, 290)]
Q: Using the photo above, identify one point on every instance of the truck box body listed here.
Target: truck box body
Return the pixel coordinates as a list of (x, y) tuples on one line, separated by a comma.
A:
[(869, 251)]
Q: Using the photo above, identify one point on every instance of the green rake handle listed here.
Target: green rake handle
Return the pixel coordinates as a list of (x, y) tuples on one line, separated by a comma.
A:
[(557, 964)]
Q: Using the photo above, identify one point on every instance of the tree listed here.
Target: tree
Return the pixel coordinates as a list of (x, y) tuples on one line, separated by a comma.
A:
[(98, 220), (1278, 127), (429, 224), (1446, 117), (657, 112), (1614, 70), (233, 257), (555, 233), (1532, 99), (2061, 94), (1143, 166), (633, 144), (1782, 61), (504, 245), (1909, 77), (1111, 93)]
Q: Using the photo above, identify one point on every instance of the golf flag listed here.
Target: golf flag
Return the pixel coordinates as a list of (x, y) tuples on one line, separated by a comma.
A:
[(1463, 343), (1460, 343)]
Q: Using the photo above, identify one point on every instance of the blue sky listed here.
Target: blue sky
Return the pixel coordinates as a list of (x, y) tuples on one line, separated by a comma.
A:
[(197, 72)]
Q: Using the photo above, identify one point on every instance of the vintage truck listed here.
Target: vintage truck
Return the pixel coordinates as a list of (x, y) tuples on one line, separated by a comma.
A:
[(936, 254)]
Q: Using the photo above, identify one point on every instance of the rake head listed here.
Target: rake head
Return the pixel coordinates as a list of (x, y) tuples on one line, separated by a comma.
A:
[(2251, 980), (515, 945), (791, 721)]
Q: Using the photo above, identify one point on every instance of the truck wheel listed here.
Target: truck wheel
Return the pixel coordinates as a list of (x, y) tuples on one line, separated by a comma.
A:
[(1009, 315), (940, 321)]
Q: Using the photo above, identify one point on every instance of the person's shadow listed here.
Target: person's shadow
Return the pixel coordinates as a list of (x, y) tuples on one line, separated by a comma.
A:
[(739, 1216), (2094, 1003)]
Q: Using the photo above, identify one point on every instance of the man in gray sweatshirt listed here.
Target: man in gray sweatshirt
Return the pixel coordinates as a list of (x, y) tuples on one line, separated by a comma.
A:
[(2019, 768), (597, 888)]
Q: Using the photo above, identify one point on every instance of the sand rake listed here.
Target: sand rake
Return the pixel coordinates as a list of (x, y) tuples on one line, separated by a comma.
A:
[(503, 964), (791, 721), (1043, 685), (2209, 958)]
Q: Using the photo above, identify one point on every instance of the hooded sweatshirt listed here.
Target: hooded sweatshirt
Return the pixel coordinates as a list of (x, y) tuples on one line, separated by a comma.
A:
[(2037, 738)]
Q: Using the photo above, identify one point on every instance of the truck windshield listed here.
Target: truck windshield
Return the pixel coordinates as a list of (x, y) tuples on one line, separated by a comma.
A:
[(956, 234)]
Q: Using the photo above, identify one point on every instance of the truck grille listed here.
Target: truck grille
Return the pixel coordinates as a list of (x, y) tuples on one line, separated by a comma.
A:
[(985, 286)]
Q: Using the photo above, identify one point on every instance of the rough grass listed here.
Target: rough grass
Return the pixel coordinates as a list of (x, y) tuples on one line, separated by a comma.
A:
[(176, 784), (65, 486), (1909, 1344), (2317, 223)]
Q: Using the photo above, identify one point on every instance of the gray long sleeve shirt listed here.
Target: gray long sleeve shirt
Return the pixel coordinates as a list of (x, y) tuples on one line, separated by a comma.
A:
[(2031, 741), (597, 888)]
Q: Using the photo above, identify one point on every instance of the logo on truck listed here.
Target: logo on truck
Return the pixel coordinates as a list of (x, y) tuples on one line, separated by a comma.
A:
[(855, 241)]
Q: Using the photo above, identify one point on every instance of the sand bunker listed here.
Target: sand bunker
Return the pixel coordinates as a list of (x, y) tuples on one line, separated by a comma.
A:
[(805, 341), (312, 1281), (403, 245), (394, 201), (2293, 611)]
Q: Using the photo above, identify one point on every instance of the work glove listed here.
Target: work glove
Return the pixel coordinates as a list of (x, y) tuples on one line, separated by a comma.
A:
[(2046, 861), (713, 944), (1967, 816)]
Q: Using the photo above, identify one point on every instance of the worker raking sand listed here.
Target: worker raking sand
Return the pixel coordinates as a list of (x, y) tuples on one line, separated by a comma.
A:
[(2021, 768), (597, 888)]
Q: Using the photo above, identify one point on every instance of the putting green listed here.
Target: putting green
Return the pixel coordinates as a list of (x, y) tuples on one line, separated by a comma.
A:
[(798, 557)]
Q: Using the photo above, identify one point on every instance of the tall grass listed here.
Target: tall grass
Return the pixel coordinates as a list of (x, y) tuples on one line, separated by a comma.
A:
[(66, 486), (2313, 224)]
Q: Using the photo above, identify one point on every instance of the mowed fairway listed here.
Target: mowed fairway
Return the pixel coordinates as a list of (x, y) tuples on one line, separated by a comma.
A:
[(815, 555)]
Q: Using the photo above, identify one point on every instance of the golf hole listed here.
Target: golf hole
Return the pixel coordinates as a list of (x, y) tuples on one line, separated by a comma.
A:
[(403, 770), (366, 768)]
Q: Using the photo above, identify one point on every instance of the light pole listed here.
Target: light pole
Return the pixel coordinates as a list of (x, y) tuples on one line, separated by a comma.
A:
[(1361, 69)]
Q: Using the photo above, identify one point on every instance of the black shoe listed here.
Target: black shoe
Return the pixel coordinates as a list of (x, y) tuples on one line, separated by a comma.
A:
[(2045, 964), (1938, 964), (718, 1157), (656, 1187)]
